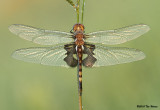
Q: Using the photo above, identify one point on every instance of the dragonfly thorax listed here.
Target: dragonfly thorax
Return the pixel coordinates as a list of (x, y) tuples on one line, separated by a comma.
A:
[(79, 38), (78, 30), (79, 42)]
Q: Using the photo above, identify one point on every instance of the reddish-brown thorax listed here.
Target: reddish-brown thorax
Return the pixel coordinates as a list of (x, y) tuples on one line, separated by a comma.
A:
[(78, 30)]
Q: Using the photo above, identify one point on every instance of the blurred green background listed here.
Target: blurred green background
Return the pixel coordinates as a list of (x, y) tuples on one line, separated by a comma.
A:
[(27, 86)]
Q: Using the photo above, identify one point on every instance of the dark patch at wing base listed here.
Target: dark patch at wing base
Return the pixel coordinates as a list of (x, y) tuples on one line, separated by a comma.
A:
[(90, 59), (70, 60)]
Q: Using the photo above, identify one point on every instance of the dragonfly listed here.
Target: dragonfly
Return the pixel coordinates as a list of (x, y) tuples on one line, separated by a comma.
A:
[(77, 49)]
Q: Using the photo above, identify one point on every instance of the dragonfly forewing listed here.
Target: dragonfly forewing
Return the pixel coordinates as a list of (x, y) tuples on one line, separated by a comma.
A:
[(40, 36), (53, 56), (116, 55), (118, 36)]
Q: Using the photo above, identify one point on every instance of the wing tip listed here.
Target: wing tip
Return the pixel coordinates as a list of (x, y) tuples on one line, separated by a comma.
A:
[(140, 55), (14, 55), (143, 56), (145, 26), (12, 28)]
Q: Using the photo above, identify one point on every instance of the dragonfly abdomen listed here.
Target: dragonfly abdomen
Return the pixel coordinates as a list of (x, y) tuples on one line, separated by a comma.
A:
[(79, 57)]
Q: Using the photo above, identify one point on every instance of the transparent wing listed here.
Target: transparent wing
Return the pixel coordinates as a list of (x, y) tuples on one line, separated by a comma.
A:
[(118, 36), (116, 55), (53, 56), (40, 36)]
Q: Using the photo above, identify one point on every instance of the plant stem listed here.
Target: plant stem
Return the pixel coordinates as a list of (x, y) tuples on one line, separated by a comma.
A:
[(83, 4), (77, 10), (71, 3)]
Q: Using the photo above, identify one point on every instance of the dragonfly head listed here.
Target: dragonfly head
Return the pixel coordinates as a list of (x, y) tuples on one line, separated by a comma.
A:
[(78, 27)]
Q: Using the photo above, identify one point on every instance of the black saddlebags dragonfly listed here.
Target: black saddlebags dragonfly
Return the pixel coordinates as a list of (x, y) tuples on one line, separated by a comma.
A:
[(77, 48)]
